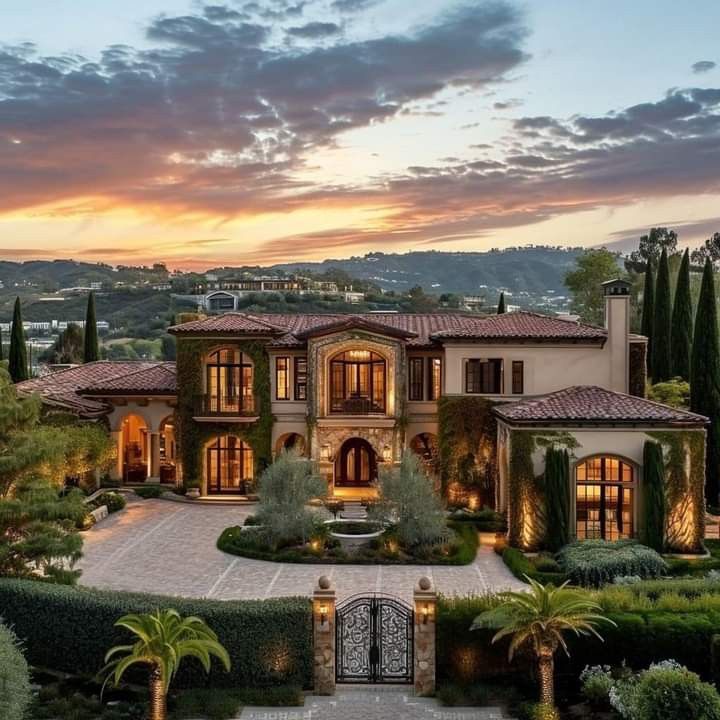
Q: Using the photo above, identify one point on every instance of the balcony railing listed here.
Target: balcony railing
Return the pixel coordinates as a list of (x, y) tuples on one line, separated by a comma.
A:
[(224, 406), (356, 406)]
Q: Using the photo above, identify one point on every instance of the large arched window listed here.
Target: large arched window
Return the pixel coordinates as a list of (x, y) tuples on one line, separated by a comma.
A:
[(605, 492), (229, 465), (229, 382), (357, 383)]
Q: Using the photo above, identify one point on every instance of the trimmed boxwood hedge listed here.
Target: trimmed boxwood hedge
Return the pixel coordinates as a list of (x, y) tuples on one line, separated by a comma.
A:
[(71, 628)]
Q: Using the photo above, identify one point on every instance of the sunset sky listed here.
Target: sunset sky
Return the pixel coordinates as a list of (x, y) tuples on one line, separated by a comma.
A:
[(207, 134)]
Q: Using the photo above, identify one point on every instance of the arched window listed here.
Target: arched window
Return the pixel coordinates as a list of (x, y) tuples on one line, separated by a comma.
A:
[(605, 498), (229, 465), (357, 383), (229, 382)]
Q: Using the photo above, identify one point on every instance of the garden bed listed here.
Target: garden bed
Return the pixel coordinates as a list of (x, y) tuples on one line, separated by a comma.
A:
[(252, 542)]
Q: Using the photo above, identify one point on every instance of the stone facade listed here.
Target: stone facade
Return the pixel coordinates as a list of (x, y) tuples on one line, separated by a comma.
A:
[(425, 605), (324, 637)]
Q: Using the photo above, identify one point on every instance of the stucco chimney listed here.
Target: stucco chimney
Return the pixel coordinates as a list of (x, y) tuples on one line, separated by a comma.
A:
[(617, 323)]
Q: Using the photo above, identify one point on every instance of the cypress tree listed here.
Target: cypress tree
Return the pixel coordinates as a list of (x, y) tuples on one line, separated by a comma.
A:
[(501, 304), (648, 311), (17, 358), (681, 338), (90, 353), (705, 378), (557, 492), (654, 496), (661, 368), (2, 357)]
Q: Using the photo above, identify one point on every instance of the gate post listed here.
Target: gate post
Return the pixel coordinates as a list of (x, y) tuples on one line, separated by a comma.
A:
[(323, 603), (425, 602)]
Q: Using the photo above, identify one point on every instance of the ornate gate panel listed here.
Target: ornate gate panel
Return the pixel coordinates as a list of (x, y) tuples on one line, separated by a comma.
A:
[(374, 640)]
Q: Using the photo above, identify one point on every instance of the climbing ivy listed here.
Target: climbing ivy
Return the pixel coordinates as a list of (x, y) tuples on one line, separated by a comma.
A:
[(467, 443), (684, 455), (527, 511), (193, 435)]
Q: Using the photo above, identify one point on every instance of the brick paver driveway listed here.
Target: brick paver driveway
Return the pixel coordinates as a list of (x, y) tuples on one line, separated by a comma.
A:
[(169, 548)]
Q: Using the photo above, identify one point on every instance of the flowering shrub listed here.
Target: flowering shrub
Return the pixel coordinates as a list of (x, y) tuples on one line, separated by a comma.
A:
[(596, 682)]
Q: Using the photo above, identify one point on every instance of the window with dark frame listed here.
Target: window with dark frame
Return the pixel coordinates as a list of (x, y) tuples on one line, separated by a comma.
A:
[(518, 377), (357, 382), (282, 378), (300, 378), (434, 378), (415, 380), (229, 382), (484, 376)]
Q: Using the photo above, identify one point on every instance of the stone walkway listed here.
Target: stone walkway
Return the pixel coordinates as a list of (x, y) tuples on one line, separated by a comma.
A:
[(168, 548), (351, 703)]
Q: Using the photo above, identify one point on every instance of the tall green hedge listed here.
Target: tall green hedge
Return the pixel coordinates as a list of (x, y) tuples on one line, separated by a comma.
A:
[(15, 694), (70, 629)]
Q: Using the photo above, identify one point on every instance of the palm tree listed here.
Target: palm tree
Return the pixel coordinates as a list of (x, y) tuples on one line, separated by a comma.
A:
[(164, 639), (539, 618)]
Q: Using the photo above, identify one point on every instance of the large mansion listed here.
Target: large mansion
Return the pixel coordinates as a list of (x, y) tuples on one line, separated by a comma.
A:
[(354, 391)]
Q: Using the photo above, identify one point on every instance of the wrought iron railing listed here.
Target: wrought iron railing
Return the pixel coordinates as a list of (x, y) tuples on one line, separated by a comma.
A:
[(219, 405), (356, 406)]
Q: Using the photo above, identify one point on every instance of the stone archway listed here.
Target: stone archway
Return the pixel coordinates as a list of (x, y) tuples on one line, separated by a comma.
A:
[(356, 464), (290, 441)]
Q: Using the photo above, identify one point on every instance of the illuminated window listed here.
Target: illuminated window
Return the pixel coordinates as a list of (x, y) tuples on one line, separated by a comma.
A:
[(229, 382), (415, 378), (434, 378), (605, 496), (282, 378), (357, 382), (300, 378), (229, 465)]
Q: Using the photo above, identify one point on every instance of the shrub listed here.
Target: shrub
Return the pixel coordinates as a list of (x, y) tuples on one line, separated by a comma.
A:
[(409, 501), (595, 562), (226, 704), (595, 685), (521, 565), (15, 692), (285, 488), (669, 693), (149, 491), (69, 629), (112, 500)]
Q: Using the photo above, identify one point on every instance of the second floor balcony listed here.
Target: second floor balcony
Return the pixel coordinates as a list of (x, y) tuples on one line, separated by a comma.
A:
[(357, 406), (228, 406)]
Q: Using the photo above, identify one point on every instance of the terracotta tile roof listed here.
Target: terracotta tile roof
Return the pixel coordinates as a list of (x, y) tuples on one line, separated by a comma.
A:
[(594, 405), (62, 388), (421, 329), (159, 379)]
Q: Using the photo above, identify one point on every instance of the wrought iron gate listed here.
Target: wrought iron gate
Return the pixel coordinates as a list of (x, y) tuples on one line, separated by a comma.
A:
[(374, 640)]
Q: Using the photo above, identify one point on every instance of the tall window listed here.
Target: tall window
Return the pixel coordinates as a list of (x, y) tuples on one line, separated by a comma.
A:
[(518, 377), (484, 376), (357, 382), (229, 382), (229, 465), (424, 378), (605, 494), (434, 378), (300, 378), (282, 378), (415, 378)]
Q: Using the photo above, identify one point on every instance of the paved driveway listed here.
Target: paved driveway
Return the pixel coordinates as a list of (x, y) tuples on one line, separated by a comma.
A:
[(169, 548)]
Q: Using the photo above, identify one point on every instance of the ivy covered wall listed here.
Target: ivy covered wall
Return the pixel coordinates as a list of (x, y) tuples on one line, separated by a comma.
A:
[(467, 445), (192, 435)]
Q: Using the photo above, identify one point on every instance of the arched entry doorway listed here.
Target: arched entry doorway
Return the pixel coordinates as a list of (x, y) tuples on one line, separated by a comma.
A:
[(167, 450), (134, 438), (356, 464), (290, 441)]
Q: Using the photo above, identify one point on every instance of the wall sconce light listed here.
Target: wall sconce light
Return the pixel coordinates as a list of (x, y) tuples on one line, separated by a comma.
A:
[(425, 612), (387, 453), (325, 452), (323, 609)]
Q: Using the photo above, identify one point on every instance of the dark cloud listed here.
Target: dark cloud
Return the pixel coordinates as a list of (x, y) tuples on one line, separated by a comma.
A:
[(508, 104), (314, 30), (703, 66), (353, 6), (215, 118)]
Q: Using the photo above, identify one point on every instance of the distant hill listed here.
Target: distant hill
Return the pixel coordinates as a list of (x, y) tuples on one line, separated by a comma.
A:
[(533, 270)]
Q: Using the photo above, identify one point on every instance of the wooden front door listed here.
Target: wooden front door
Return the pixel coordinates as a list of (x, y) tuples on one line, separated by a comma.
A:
[(357, 464)]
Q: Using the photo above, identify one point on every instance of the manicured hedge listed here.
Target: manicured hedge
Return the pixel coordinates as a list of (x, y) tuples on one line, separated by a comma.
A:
[(521, 565), (639, 639), (71, 628)]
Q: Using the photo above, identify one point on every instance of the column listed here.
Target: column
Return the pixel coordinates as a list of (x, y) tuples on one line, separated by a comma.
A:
[(117, 472), (323, 606), (425, 604), (154, 457)]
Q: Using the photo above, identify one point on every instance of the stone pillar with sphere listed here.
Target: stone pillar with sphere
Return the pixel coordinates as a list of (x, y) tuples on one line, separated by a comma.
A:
[(323, 606), (425, 605)]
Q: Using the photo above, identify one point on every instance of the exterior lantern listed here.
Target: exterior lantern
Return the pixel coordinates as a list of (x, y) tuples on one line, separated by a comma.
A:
[(387, 453)]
